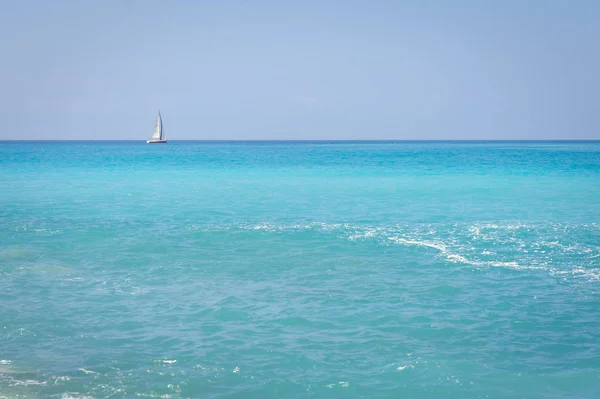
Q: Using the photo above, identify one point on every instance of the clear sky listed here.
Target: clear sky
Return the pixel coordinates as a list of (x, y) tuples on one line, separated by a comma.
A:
[(291, 69)]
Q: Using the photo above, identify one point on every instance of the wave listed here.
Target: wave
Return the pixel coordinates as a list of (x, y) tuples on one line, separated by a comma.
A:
[(562, 249)]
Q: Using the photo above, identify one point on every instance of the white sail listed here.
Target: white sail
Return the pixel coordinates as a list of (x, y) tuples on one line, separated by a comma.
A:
[(157, 134)]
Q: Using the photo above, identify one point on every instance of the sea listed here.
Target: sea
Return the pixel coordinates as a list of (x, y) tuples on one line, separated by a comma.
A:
[(299, 269)]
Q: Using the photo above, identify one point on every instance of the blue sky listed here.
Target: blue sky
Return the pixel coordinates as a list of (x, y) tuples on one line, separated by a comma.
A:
[(243, 69)]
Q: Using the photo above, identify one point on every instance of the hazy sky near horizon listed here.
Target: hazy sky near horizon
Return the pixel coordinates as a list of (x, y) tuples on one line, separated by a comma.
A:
[(267, 69)]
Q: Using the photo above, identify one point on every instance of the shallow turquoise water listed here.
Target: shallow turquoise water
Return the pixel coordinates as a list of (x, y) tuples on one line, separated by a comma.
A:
[(299, 270)]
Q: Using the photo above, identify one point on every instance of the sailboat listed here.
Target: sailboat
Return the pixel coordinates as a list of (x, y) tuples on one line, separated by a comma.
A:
[(158, 135)]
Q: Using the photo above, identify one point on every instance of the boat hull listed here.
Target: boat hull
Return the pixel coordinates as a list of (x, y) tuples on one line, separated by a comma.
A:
[(156, 141)]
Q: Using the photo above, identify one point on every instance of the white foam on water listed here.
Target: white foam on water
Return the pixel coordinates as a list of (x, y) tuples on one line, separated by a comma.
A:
[(166, 361), (457, 258), (340, 383), (450, 256), (88, 371), (450, 250), (51, 231), (174, 388), (461, 244), (266, 226), (440, 247), (370, 233), (262, 227), (28, 382), (591, 274), (512, 265), (75, 395), (62, 378)]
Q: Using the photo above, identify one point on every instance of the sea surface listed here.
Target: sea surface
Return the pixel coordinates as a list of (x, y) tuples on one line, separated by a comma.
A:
[(300, 270)]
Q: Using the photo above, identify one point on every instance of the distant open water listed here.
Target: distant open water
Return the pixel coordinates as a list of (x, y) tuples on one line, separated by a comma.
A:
[(299, 270)]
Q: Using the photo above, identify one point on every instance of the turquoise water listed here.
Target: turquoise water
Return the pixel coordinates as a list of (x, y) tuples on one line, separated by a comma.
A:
[(299, 270)]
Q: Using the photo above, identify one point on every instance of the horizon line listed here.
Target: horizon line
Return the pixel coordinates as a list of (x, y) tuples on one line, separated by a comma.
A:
[(310, 140)]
